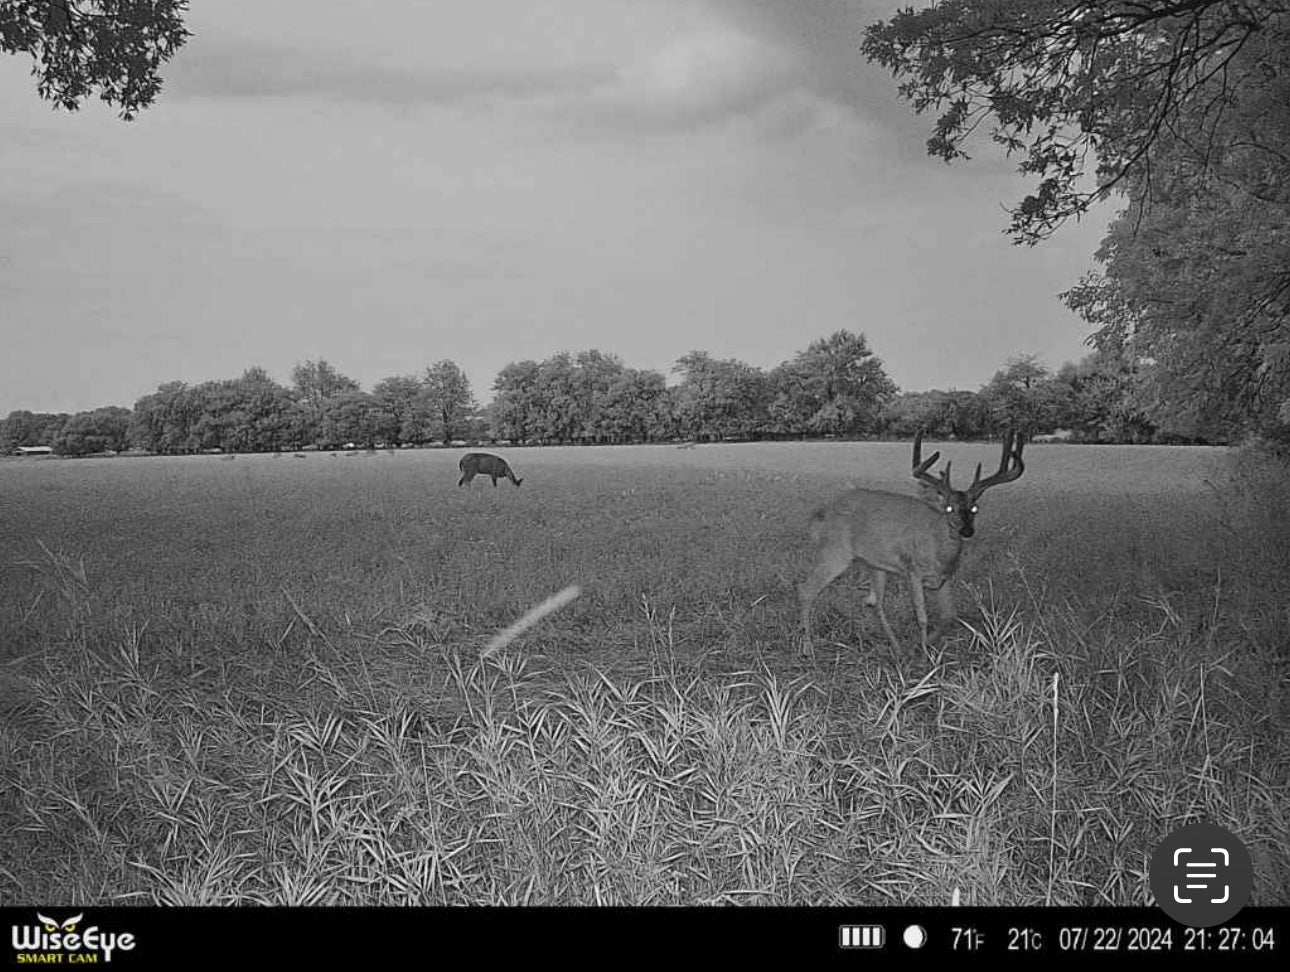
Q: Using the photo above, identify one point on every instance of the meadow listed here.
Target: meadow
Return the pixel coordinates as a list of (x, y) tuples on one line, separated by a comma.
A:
[(262, 680)]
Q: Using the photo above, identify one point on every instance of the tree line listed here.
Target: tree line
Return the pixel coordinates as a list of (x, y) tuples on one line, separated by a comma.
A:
[(836, 387)]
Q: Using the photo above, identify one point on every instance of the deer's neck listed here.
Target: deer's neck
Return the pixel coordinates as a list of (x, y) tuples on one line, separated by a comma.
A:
[(948, 551)]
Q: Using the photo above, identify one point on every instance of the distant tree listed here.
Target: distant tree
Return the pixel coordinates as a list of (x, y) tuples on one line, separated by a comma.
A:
[(266, 409), (910, 412), (635, 407), (1022, 396), (557, 414), (252, 413), (475, 427), (594, 375), (401, 413), (314, 384), (302, 425), (161, 421), (1105, 400), (966, 415), (513, 413), (836, 386), (720, 399), (351, 416), (316, 381), (101, 430), (24, 428), (19, 428), (445, 390), (220, 421), (116, 47)]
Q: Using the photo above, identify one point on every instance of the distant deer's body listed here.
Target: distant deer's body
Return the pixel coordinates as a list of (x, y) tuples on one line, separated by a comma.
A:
[(894, 534), (476, 463)]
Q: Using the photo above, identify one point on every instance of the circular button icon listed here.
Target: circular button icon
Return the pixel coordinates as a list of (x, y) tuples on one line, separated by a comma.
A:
[(1201, 875)]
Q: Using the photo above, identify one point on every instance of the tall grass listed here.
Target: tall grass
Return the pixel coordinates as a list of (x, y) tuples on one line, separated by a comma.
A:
[(244, 683)]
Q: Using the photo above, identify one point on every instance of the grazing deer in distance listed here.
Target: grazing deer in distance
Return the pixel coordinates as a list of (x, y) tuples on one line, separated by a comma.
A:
[(476, 463), (894, 534)]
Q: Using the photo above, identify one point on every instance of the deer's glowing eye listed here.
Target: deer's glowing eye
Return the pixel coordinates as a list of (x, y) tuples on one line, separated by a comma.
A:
[(974, 509), (949, 509)]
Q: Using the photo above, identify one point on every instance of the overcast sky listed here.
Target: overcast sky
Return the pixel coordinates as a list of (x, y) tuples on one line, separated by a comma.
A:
[(389, 184)]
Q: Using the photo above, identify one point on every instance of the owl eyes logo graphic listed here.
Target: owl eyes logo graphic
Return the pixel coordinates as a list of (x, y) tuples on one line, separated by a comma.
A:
[(64, 926), (51, 938)]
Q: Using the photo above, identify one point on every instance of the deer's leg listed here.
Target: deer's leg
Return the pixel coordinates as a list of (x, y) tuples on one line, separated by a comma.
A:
[(877, 594), (463, 480), (494, 480), (831, 561), (945, 607), (920, 604)]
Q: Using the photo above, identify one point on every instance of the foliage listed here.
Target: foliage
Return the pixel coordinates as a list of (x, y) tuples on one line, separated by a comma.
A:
[(1186, 108), (351, 416), (447, 400), (720, 399), (102, 430), (1023, 396), (1196, 287), (116, 47), (248, 414), (587, 397), (400, 411), (836, 386), (952, 414), (514, 400), (1101, 402), (25, 428), (314, 383), (1067, 80)]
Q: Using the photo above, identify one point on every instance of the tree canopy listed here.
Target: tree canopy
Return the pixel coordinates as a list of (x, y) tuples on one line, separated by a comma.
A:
[(77, 47), (1183, 108), (1067, 80)]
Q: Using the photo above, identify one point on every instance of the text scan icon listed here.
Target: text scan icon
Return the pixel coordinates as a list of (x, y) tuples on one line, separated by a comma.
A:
[(1201, 875)]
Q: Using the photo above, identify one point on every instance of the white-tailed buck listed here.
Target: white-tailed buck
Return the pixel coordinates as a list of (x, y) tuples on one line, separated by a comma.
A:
[(484, 463), (894, 534)]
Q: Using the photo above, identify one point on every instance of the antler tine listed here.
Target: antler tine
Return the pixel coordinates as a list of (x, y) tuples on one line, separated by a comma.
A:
[(1010, 465), (921, 465)]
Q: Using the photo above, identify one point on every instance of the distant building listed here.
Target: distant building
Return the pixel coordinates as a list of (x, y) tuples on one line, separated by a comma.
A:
[(1060, 435), (35, 450)]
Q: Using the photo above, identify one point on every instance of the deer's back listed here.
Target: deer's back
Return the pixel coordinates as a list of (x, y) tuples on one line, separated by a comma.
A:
[(889, 531)]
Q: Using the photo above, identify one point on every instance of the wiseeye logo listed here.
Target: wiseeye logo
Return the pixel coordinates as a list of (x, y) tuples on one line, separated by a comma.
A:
[(60, 943)]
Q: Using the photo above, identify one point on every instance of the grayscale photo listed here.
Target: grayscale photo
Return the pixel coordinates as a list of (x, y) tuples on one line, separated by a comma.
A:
[(828, 454)]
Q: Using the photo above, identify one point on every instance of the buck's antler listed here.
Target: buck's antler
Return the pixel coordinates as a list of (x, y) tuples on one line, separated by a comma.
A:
[(921, 466), (1010, 465)]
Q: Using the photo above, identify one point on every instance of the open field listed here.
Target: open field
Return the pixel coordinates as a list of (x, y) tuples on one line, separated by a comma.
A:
[(261, 680)]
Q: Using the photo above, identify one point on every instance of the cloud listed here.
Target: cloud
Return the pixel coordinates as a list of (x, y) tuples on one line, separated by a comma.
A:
[(700, 80), (702, 75), (240, 68), (615, 69)]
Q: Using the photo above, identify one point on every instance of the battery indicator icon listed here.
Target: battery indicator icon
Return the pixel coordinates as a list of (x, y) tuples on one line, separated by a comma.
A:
[(861, 936)]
